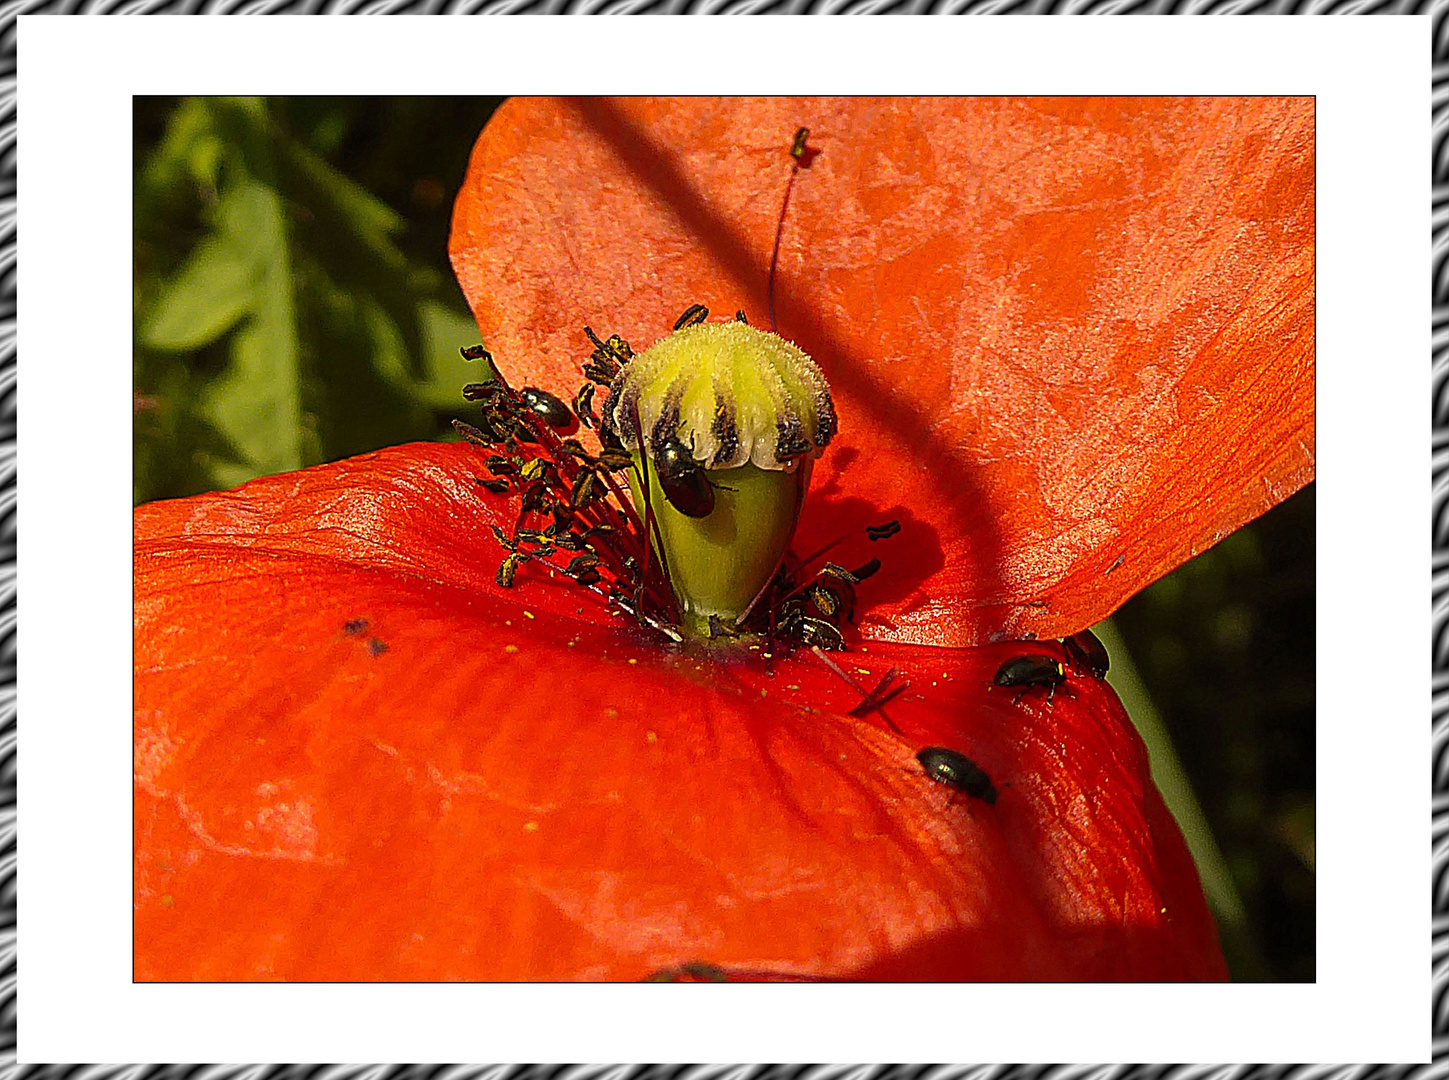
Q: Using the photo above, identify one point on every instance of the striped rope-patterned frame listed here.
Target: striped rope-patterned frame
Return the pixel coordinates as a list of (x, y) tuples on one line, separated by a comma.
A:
[(1440, 467), (1440, 572)]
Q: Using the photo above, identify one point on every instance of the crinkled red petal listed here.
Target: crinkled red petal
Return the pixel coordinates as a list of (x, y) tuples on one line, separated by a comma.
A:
[(357, 757)]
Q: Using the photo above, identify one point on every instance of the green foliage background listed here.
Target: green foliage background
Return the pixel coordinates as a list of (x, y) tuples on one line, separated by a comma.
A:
[(294, 305), (286, 313)]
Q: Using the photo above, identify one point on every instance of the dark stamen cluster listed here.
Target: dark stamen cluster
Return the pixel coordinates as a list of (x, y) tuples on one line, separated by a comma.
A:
[(810, 610), (571, 503), (573, 514), (607, 359)]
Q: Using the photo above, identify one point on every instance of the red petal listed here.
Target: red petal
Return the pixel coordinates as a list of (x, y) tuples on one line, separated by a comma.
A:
[(417, 512), (1071, 339), (358, 758)]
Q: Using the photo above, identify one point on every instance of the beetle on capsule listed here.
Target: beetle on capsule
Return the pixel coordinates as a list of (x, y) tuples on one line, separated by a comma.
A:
[(682, 480), (1030, 671), (958, 771)]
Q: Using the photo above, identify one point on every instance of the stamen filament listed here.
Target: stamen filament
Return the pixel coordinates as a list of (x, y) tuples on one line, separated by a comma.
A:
[(866, 695), (797, 152)]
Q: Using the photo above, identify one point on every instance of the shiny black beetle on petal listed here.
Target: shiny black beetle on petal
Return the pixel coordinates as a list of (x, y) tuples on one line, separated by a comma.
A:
[(1029, 671), (958, 771)]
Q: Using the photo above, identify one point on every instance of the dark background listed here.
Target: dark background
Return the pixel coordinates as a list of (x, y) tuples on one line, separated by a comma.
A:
[(351, 200)]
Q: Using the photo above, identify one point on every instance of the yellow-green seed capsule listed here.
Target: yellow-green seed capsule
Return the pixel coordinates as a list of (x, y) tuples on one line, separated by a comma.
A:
[(726, 420)]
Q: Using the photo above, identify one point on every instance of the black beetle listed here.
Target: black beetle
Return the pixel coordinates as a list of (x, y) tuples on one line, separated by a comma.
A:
[(819, 632), (1029, 671), (1087, 651), (553, 411), (682, 480), (958, 771)]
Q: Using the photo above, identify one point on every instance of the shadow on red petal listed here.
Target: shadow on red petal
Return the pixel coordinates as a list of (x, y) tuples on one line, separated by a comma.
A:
[(1111, 954), (908, 559)]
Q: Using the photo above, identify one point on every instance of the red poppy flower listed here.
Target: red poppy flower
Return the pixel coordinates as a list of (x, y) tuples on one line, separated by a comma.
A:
[(1070, 344)]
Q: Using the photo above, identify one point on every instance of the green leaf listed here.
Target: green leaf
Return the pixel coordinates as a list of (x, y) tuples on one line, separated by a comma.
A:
[(356, 388), (175, 451), (349, 232), (190, 152), (220, 281), (256, 403), (339, 202), (1172, 779)]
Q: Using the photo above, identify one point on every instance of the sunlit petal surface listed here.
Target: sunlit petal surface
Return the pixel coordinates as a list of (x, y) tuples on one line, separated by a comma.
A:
[(1071, 340), (357, 757)]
